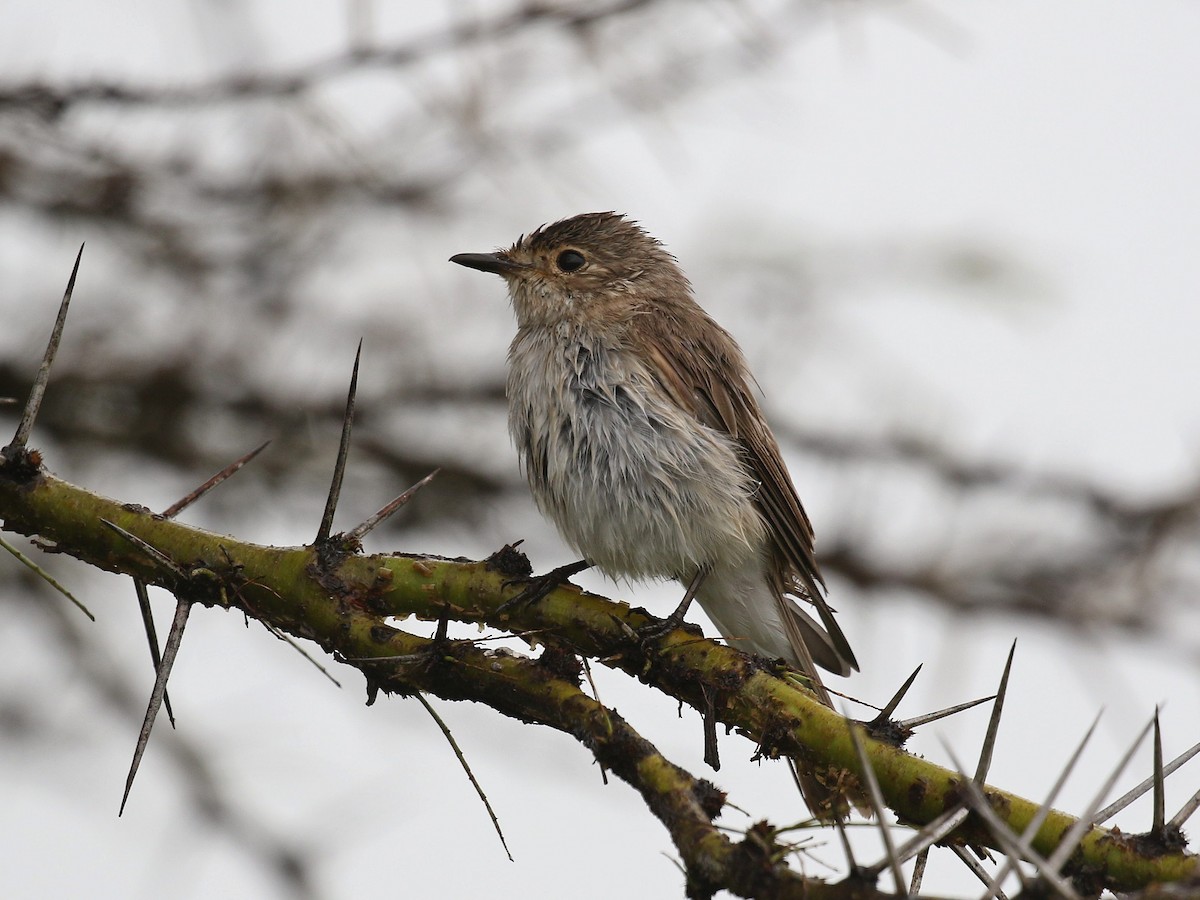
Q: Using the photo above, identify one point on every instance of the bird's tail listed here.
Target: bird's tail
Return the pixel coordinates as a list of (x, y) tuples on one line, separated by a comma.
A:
[(757, 616)]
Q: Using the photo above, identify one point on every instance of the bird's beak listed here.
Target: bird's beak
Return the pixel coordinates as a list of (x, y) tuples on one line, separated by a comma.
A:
[(496, 263)]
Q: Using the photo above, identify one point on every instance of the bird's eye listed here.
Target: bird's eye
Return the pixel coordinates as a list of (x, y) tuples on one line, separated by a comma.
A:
[(570, 260)]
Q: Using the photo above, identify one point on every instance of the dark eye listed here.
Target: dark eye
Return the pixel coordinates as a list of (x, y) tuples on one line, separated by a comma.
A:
[(570, 260)]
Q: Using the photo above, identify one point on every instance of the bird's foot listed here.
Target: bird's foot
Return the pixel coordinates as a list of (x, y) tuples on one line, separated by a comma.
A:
[(659, 628), (655, 630), (538, 586)]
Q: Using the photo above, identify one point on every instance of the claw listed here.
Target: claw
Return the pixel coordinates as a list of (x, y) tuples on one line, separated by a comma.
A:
[(655, 630)]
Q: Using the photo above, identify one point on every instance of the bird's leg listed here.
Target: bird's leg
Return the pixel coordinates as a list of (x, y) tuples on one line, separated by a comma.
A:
[(693, 588), (675, 619), (538, 586)]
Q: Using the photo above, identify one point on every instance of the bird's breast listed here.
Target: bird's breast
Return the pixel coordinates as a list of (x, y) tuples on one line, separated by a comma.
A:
[(634, 483)]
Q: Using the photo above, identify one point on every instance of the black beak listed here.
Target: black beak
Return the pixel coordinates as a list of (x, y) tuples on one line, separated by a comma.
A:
[(488, 262)]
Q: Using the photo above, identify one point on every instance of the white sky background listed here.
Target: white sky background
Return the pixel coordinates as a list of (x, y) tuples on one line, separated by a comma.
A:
[(1065, 133)]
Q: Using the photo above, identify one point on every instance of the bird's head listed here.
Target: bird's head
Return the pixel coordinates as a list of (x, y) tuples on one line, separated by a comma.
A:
[(594, 268)]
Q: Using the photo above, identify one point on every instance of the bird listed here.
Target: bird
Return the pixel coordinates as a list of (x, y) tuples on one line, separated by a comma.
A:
[(638, 427)]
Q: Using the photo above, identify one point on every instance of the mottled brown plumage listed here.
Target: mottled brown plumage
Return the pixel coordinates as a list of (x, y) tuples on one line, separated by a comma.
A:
[(641, 436)]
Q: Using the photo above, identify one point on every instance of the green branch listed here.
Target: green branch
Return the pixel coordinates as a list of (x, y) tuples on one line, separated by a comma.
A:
[(341, 600)]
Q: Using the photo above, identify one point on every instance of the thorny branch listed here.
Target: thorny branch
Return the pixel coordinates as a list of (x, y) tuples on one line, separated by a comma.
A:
[(341, 601), (159, 203)]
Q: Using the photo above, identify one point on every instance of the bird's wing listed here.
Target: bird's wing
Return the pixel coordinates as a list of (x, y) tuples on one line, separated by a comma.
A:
[(707, 378)]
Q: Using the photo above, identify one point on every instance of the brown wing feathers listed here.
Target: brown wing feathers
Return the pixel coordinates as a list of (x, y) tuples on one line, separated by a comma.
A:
[(731, 407)]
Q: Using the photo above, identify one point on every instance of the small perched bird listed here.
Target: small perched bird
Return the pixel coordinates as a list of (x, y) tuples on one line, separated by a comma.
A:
[(640, 436)]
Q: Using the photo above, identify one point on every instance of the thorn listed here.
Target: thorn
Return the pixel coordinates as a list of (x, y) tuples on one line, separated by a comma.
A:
[(1185, 811), (143, 597), (886, 713), (918, 874), (462, 761), (709, 717), (1015, 848), (1160, 793), (933, 831), (174, 638), (1039, 818), (587, 672), (399, 659), (441, 635), (46, 576), (917, 721), (139, 586), (875, 796), (976, 869), (234, 467), (1088, 820), (989, 742), (840, 826), (339, 468), (975, 800), (385, 513), (38, 390), (151, 552), (1116, 806), (1036, 822), (288, 640)]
